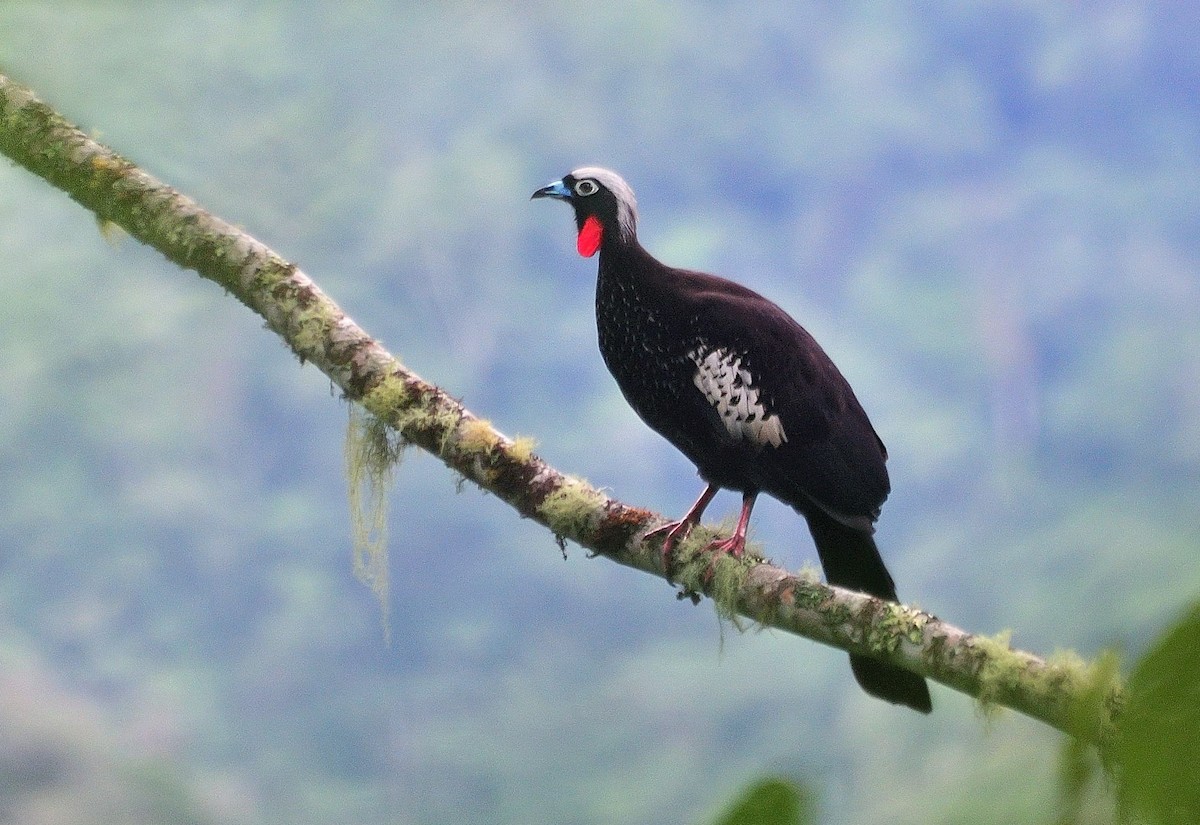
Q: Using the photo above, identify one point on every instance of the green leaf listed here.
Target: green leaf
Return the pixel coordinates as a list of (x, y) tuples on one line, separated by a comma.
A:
[(770, 801), (1158, 747)]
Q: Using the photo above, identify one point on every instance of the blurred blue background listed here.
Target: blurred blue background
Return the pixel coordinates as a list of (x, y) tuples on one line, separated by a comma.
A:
[(988, 214)]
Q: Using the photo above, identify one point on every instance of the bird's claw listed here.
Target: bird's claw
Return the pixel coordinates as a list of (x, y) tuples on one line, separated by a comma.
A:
[(676, 531), (734, 546)]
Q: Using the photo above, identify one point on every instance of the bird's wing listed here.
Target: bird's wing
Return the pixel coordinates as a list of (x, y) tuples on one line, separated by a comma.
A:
[(780, 395)]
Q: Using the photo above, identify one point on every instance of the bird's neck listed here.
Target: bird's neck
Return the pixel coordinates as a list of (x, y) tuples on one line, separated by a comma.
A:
[(627, 265)]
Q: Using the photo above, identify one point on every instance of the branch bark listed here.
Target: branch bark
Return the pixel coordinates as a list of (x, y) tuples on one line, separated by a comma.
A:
[(1081, 700)]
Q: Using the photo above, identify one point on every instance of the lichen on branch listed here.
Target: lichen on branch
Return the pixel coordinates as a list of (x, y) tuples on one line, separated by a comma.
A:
[(372, 452)]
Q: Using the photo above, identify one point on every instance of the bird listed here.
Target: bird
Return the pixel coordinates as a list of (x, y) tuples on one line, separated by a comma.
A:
[(744, 392)]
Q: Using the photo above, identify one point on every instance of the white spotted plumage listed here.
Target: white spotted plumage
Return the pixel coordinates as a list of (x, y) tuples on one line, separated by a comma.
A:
[(728, 386)]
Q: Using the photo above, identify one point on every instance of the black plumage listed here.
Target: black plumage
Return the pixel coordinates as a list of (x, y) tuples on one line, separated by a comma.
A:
[(745, 393)]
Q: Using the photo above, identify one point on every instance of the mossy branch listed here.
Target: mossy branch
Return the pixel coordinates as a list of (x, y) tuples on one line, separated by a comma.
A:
[(1078, 699)]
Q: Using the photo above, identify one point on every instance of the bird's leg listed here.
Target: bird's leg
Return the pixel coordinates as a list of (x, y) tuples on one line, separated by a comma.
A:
[(735, 545), (678, 530)]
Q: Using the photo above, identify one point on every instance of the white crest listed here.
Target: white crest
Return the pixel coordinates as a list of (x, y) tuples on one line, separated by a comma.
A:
[(727, 386), (626, 202)]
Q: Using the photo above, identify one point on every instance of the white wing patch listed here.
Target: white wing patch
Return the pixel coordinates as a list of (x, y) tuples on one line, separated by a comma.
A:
[(727, 386)]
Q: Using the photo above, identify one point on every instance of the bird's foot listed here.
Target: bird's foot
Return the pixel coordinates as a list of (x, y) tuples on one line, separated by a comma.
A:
[(676, 531), (734, 546)]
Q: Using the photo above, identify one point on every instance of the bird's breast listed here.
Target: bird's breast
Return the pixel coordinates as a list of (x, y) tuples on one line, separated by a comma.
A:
[(702, 396), (645, 345)]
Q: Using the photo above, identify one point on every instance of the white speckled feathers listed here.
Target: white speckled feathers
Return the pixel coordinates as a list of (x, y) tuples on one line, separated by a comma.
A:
[(730, 389)]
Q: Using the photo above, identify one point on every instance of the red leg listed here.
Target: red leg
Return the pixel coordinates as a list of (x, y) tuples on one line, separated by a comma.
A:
[(735, 545), (678, 530)]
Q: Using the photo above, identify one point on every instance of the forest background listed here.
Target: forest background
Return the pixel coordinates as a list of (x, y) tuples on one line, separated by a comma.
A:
[(987, 215)]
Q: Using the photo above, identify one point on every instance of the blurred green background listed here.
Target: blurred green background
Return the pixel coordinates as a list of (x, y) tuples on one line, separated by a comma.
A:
[(989, 214)]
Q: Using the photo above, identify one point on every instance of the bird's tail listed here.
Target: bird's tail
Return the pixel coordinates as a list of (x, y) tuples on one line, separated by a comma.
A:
[(851, 560)]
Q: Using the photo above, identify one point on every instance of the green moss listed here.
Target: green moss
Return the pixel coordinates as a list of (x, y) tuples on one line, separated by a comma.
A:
[(476, 435), (393, 401), (1095, 687), (310, 329), (896, 624), (372, 451), (445, 423), (807, 596), (999, 672), (697, 569), (689, 563), (1088, 692), (728, 579), (1067, 670), (573, 509), (522, 448), (478, 441), (387, 397)]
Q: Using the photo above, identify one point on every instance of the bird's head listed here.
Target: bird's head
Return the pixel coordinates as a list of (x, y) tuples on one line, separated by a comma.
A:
[(605, 208)]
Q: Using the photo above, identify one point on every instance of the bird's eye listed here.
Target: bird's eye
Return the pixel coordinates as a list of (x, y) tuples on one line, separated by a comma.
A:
[(586, 187)]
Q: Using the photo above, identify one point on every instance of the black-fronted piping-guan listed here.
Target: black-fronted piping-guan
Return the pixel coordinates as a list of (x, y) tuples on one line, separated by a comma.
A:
[(747, 394)]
